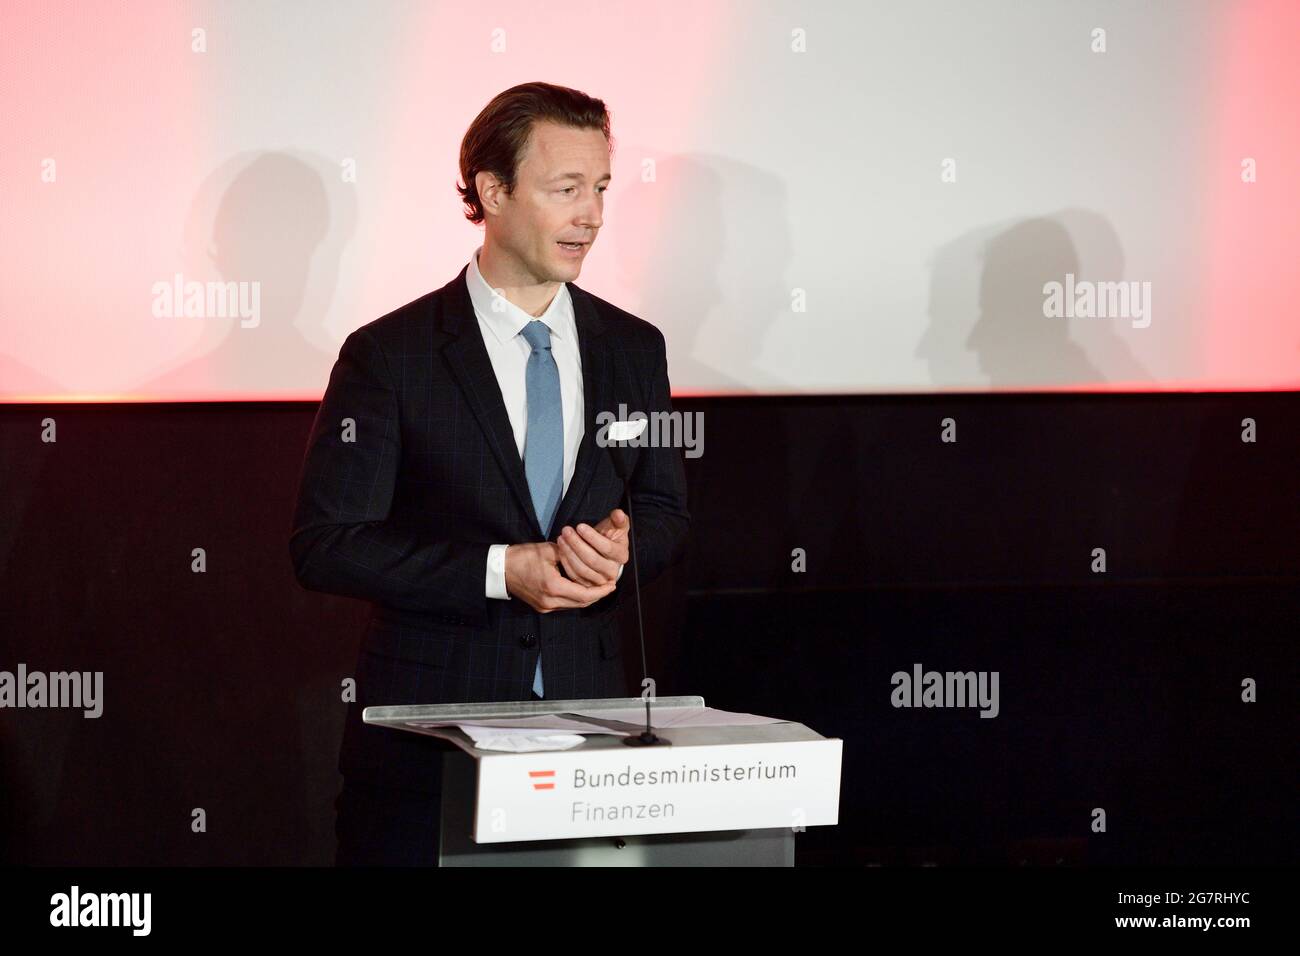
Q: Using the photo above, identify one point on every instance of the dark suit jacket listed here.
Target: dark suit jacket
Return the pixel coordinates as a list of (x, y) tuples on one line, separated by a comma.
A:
[(403, 515)]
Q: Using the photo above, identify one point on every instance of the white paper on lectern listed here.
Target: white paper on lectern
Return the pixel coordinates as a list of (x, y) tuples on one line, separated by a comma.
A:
[(629, 717), (548, 723), (665, 717), (519, 741)]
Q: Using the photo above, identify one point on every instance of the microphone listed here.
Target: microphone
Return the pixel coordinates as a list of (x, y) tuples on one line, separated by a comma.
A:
[(618, 434)]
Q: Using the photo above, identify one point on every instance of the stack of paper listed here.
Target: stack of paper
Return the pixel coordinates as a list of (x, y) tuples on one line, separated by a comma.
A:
[(564, 731)]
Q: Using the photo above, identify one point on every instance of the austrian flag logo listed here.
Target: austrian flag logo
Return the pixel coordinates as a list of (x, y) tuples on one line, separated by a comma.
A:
[(542, 779)]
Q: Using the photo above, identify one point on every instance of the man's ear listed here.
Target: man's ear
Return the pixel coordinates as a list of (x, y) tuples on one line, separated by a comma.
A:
[(491, 190)]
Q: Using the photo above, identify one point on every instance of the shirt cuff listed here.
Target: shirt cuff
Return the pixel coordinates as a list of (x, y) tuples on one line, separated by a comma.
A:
[(496, 572)]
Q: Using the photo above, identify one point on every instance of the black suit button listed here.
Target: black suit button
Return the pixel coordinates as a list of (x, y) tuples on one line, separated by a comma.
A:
[(528, 641)]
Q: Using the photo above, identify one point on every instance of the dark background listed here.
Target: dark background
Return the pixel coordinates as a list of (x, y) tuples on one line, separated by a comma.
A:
[(1120, 691)]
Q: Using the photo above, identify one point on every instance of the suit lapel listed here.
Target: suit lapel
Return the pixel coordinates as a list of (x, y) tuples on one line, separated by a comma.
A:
[(471, 366)]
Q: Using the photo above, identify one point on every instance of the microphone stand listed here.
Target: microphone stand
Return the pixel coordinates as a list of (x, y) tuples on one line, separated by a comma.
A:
[(647, 737)]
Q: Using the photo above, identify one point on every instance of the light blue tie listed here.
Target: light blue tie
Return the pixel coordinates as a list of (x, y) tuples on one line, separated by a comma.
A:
[(544, 440)]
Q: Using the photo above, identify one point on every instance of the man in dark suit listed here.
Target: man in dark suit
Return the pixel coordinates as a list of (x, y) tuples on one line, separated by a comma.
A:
[(453, 476)]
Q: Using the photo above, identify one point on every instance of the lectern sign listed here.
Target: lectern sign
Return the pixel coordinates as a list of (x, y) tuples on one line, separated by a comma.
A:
[(620, 791)]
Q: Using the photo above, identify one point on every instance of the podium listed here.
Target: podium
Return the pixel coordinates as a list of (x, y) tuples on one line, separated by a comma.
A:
[(718, 796)]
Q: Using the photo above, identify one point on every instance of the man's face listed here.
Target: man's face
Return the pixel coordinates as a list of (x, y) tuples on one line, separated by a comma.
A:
[(559, 197)]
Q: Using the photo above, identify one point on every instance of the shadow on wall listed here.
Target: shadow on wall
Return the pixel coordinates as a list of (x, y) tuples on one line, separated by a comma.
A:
[(20, 382), (281, 220), (987, 325), (708, 243)]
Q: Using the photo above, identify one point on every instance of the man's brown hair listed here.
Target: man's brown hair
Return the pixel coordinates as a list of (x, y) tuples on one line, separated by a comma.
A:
[(496, 139)]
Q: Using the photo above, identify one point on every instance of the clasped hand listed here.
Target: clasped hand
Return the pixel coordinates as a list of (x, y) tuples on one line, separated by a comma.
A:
[(589, 556)]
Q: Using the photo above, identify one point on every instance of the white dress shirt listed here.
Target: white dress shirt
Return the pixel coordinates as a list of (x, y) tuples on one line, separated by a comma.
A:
[(501, 323)]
